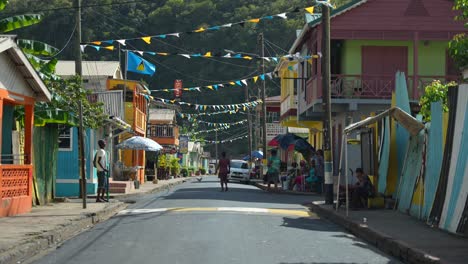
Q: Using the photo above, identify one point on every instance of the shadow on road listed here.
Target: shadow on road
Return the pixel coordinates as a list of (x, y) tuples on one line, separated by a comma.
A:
[(246, 194), (310, 224)]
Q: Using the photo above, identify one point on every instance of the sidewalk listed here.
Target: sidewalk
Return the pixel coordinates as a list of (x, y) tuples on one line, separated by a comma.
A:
[(399, 235), (26, 235)]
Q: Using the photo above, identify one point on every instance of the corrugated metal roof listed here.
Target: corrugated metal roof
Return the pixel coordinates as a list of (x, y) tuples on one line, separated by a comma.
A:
[(8, 45), (166, 115), (90, 68)]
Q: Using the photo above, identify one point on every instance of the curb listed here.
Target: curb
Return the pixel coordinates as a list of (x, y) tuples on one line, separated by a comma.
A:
[(21, 252), (262, 187), (154, 190), (383, 242)]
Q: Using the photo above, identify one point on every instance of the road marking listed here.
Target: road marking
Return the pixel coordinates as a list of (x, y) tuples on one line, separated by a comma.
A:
[(249, 210)]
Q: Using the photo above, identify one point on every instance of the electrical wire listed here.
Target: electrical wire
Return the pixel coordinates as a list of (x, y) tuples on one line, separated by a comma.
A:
[(75, 7), (64, 47), (272, 43)]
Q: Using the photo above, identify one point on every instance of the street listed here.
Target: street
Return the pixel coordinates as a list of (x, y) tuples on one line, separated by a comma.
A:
[(197, 223)]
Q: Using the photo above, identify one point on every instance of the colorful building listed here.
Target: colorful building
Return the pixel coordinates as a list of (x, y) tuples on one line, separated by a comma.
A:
[(95, 76), (370, 42), (136, 103), (20, 87)]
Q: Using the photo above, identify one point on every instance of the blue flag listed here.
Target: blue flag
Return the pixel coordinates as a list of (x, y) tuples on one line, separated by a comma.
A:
[(139, 65)]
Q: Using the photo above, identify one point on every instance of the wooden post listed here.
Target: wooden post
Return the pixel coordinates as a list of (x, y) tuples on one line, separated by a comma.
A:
[(415, 65), (28, 132)]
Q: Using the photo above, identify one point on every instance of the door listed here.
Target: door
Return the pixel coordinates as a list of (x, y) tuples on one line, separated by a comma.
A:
[(379, 65)]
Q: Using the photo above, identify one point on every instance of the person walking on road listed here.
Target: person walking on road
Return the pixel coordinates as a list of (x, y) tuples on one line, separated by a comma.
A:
[(100, 161), (224, 167), (274, 164)]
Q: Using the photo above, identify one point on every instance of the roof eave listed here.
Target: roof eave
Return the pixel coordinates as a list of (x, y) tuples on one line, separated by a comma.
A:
[(34, 81)]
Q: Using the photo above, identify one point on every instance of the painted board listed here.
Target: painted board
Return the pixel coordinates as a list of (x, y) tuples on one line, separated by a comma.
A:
[(410, 172), (434, 156), (402, 135), (457, 184), (384, 156)]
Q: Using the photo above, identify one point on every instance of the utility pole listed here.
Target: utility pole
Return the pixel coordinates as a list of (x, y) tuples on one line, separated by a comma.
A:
[(326, 92), (264, 113), (79, 72), (216, 147), (249, 120)]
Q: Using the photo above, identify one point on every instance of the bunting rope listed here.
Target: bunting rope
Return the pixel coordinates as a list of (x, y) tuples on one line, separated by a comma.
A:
[(194, 116), (226, 140), (212, 124), (207, 131), (203, 107), (215, 87), (148, 39), (208, 54)]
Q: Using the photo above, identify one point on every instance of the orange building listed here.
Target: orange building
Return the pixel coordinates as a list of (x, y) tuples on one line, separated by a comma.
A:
[(163, 129), (136, 105), (20, 87)]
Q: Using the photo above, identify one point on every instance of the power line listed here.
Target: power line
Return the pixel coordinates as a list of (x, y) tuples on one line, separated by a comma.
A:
[(75, 7)]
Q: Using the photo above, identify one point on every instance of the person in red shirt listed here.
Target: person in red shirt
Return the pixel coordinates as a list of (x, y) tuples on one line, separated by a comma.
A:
[(224, 167)]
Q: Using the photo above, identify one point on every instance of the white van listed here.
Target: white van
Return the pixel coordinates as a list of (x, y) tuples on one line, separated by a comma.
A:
[(239, 171)]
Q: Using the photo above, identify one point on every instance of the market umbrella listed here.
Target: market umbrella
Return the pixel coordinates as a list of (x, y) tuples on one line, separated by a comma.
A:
[(256, 154), (287, 139), (139, 143)]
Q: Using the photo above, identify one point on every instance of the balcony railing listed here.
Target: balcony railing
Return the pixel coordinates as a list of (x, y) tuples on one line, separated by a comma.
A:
[(162, 131), (15, 180), (370, 86)]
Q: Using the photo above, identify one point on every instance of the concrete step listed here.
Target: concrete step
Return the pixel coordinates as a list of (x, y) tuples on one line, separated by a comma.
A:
[(117, 190), (121, 186)]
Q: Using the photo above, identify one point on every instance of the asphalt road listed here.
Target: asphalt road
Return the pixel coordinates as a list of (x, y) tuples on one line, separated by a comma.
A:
[(196, 223)]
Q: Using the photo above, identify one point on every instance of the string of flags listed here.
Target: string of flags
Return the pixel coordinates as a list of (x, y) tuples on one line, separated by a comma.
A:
[(202, 107), (108, 44), (192, 116), (226, 140), (208, 131), (216, 87), (208, 54), (211, 124)]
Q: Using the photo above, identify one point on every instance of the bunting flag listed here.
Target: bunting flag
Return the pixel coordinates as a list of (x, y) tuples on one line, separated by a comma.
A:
[(147, 39), (194, 116), (209, 54), (211, 124), (200, 107), (207, 131), (226, 140), (215, 87)]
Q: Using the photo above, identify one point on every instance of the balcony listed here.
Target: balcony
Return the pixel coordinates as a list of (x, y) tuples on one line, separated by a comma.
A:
[(164, 134), (369, 86)]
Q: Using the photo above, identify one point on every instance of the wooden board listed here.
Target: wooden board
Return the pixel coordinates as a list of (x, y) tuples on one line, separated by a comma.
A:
[(384, 157), (434, 156), (457, 184)]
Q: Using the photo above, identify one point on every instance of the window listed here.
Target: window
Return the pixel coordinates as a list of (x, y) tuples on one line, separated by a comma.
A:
[(65, 138), (239, 165)]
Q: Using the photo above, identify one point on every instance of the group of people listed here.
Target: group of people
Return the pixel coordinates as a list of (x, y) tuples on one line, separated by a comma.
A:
[(307, 177)]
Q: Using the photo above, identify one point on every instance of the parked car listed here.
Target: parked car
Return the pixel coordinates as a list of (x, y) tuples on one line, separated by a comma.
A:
[(239, 171)]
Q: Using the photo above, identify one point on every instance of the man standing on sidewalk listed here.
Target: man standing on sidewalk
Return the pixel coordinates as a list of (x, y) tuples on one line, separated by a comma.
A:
[(100, 161)]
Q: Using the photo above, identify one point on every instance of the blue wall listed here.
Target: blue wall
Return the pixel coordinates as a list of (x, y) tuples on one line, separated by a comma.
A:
[(68, 173)]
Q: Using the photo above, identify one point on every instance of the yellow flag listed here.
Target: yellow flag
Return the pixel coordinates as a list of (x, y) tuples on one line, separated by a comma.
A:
[(210, 87), (166, 90), (204, 107), (255, 78), (309, 61), (146, 39), (200, 29), (172, 101), (232, 83), (109, 48), (310, 9), (162, 53), (247, 58), (254, 20), (208, 55), (97, 42)]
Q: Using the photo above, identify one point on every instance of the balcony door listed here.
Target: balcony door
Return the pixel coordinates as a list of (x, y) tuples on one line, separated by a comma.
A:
[(379, 65)]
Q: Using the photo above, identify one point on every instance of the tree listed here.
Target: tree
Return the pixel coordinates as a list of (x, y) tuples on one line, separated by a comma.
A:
[(458, 47), (434, 92)]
